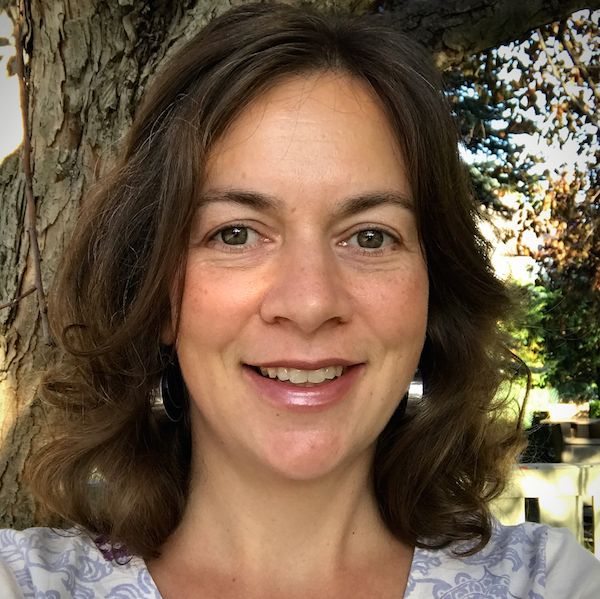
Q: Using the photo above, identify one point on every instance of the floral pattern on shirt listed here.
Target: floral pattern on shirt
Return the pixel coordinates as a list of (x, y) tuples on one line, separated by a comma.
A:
[(48, 564)]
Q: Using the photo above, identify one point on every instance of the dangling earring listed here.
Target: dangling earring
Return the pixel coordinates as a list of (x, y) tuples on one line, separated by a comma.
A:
[(169, 396)]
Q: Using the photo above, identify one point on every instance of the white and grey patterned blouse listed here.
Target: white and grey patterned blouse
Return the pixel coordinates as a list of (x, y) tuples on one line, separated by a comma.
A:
[(528, 561)]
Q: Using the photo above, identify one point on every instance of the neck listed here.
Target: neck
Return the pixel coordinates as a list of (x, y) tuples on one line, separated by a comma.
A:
[(247, 520)]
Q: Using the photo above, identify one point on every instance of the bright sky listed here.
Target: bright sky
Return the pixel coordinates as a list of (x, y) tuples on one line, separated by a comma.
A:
[(11, 130)]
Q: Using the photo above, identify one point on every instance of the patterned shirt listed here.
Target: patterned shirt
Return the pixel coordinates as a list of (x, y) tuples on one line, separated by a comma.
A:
[(528, 561)]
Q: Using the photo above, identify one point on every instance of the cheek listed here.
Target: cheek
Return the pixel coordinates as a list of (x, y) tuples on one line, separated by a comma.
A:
[(397, 302), (215, 303)]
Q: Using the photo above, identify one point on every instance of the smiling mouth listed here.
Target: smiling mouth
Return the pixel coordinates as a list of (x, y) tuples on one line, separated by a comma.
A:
[(303, 378)]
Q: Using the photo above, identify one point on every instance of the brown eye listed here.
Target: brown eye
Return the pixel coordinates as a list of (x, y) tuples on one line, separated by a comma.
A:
[(371, 241), (234, 235), (370, 238)]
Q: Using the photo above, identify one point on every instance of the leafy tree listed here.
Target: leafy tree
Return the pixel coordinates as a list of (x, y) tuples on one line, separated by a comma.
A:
[(539, 87), (546, 86), (486, 107), (570, 260)]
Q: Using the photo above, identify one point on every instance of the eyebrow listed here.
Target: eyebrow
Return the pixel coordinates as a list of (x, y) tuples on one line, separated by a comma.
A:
[(343, 208), (361, 203), (251, 199)]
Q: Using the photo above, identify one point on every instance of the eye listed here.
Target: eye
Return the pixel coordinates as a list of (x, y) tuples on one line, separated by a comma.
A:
[(235, 235), (371, 239)]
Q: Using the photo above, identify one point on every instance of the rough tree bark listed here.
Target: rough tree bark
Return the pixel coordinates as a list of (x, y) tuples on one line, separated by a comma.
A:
[(89, 62)]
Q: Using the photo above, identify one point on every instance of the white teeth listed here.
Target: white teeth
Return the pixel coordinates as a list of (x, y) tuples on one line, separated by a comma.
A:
[(299, 377), (316, 376), (279, 373)]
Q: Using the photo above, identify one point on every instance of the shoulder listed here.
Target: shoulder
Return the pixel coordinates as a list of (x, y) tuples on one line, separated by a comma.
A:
[(46, 562), (571, 570), (528, 560)]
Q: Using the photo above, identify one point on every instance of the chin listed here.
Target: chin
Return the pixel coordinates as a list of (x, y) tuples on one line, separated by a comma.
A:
[(304, 457)]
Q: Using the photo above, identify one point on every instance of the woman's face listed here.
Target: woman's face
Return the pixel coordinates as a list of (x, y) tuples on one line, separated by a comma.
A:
[(305, 299)]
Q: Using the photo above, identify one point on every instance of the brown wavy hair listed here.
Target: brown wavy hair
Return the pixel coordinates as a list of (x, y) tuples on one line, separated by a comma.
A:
[(113, 467)]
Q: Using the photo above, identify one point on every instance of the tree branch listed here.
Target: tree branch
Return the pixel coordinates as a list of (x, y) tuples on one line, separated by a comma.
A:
[(26, 159), (17, 299), (583, 109), (453, 29), (575, 57)]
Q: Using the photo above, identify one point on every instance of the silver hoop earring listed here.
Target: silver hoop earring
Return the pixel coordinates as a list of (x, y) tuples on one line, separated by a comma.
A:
[(414, 393), (415, 389)]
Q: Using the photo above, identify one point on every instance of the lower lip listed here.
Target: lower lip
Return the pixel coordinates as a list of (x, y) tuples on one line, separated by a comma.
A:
[(318, 397)]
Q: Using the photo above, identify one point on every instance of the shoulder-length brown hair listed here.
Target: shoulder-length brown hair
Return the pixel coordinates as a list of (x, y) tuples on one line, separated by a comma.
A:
[(112, 466)]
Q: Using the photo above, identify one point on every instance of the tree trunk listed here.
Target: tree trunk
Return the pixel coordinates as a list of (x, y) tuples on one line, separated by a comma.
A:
[(89, 62)]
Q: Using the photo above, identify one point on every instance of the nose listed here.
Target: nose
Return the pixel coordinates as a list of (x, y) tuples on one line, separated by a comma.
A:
[(308, 289)]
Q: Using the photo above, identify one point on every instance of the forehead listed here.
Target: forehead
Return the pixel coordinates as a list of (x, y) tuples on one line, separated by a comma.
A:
[(321, 133)]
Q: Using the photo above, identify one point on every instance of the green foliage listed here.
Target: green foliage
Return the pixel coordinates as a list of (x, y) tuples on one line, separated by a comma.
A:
[(558, 337), (595, 408), (485, 108), (528, 333), (572, 339), (547, 87), (569, 256)]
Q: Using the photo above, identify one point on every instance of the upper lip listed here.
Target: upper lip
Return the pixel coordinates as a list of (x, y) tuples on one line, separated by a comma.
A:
[(304, 364)]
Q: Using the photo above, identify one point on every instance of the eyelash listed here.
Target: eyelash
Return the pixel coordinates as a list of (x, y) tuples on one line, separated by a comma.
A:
[(233, 248), (373, 252), (240, 248)]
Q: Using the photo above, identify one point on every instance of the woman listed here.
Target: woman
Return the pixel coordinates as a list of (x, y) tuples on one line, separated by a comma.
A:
[(288, 236)]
